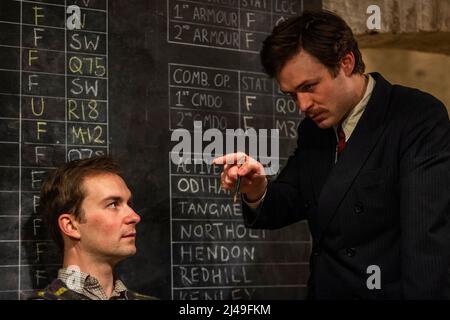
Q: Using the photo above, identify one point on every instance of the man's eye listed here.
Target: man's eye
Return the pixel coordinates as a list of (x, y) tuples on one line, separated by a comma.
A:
[(308, 87), (112, 205)]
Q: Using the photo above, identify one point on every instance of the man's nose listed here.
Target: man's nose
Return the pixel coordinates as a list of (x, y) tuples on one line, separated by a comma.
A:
[(133, 216), (304, 101)]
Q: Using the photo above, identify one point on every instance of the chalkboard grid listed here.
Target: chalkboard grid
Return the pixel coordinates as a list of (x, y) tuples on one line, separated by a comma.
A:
[(53, 108)]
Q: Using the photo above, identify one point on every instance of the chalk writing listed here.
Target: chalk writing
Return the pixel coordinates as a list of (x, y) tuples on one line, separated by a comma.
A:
[(58, 97)]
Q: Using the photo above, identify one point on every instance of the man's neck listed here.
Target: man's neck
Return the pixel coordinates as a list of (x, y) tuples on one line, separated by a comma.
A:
[(100, 270), (360, 87)]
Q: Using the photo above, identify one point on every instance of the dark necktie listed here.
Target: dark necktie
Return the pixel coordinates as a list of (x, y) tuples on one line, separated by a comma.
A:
[(341, 139)]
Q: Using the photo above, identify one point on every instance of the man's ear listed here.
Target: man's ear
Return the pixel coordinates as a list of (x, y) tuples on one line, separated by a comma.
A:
[(69, 225), (348, 63)]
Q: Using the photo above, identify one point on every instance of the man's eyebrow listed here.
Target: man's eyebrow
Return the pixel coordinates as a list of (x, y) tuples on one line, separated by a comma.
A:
[(112, 198), (298, 87), (116, 198), (306, 82)]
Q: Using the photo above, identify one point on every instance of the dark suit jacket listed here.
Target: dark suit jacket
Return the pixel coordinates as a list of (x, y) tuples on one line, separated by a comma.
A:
[(386, 202)]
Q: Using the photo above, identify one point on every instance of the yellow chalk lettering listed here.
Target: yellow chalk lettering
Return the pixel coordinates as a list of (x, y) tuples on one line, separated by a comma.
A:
[(39, 129), (93, 112), (83, 21), (31, 57), (76, 65), (72, 104), (33, 110), (78, 134), (98, 130), (101, 70), (37, 15), (91, 62)]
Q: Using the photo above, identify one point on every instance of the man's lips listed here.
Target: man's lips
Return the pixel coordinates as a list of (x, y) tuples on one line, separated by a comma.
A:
[(129, 235), (314, 115)]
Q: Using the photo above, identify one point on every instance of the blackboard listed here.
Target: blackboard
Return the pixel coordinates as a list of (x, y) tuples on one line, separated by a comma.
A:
[(120, 85)]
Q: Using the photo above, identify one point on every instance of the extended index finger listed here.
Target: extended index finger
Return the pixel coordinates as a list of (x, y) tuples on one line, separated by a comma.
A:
[(230, 158)]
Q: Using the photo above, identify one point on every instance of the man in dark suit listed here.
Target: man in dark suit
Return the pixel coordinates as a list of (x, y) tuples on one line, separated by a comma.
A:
[(371, 172)]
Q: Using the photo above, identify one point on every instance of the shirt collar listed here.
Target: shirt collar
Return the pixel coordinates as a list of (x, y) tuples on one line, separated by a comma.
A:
[(350, 122), (87, 285)]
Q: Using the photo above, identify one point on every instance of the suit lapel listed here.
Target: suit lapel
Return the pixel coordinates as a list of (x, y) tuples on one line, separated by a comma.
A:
[(355, 154), (322, 159)]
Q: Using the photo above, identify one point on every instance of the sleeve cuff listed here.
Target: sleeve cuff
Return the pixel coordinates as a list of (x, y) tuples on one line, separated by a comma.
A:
[(254, 204)]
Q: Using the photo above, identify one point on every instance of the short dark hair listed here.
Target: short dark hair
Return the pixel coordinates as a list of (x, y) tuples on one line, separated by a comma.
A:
[(322, 34), (63, 192)]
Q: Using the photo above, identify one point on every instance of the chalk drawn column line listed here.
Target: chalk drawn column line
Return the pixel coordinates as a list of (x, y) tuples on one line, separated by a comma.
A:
[(20, 156), (171, 234), (107, 79), (65, 78)]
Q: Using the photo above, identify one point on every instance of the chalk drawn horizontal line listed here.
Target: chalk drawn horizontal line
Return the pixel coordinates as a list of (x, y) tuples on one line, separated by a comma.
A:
[(268, 94), (195, 175), (21, 191), (243, 264), (221, 27), (199, 159), (225, 196), (49, 144), (273, 116), (49, 97), (51, 27), (52, 50), (217, 69), (62, 74), (213, 47), (281, 138), (210, 220), (211, 217), (29, 265), (209, 111), (208, 89), (54, 74), (28, 167), (68, 145), (238, 9), (8, 291), (14, 240), (247, 93), (242, 241), (64, 121), (200, 154), (244, 286), (43, 168), (60, 5), (57, 121)]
